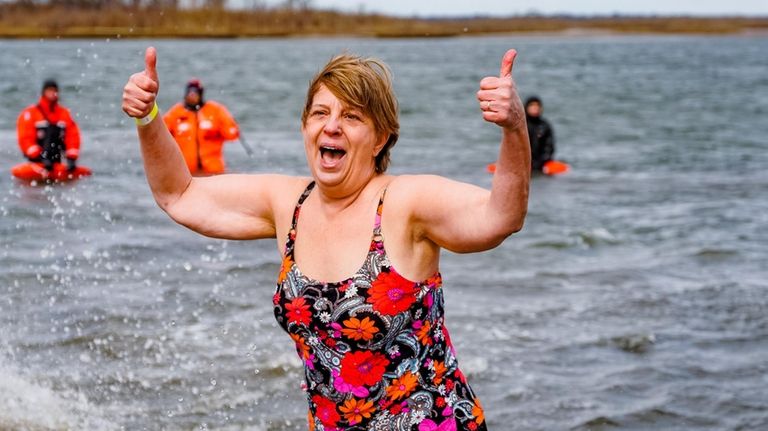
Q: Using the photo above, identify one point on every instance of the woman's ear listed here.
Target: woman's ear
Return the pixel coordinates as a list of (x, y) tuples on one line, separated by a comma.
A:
[(380, 145)]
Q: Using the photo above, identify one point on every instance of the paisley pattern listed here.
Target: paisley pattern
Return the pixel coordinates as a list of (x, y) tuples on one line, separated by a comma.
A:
[(376, 353)]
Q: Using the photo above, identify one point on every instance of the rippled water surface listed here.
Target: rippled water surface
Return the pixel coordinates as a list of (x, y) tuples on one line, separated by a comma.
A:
[(635, 297)]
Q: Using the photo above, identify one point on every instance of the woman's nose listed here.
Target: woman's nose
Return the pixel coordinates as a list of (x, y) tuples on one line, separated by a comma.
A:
[(332, 125)]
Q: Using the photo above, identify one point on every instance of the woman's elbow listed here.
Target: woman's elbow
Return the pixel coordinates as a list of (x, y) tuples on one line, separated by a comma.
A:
[(505, 233), (175, 208), (496, 236), (506, 229), (172, 203), (516, 225), (169, 204), (511, 223)]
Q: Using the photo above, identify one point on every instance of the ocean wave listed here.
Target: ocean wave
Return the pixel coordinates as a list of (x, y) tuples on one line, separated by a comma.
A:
[(591, 238), (649, 417), (32, 404)]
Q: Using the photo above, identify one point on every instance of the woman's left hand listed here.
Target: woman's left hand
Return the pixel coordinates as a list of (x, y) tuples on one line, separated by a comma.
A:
[(498, 97)]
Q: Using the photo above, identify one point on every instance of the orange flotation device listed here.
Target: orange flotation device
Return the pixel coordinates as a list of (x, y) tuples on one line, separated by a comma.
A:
[(555, 167), (552, 167), (31, 171)]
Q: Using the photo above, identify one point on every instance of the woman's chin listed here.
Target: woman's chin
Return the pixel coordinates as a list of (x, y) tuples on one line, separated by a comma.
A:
[(328, 178), (330, 172)]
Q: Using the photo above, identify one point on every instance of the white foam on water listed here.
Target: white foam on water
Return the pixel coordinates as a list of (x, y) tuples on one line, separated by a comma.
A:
[(27, 404)]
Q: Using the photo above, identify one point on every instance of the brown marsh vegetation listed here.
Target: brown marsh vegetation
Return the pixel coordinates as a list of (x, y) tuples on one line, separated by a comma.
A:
[(211, 18)]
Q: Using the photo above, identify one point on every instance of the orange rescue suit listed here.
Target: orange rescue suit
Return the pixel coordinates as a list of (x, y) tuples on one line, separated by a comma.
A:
[(201, 135), (42, 125)]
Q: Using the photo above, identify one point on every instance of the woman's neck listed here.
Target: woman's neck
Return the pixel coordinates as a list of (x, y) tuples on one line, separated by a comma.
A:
[(334, 200)]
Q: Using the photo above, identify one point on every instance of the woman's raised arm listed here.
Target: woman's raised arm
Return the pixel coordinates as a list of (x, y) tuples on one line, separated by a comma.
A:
[(227, 206), (465, 218)]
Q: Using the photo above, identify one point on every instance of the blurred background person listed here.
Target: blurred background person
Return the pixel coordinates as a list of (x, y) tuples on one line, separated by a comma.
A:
[(46, 130), (201, 127), (540, 134)]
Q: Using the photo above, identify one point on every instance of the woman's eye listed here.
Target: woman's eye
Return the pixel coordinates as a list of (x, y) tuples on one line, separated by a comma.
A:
[(351, 116), (317, 113)]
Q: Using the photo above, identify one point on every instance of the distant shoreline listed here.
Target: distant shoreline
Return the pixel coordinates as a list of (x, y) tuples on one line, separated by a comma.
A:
[(24, 21)]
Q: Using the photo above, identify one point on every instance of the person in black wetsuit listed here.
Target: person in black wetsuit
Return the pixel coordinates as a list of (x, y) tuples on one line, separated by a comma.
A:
[(540, 134)]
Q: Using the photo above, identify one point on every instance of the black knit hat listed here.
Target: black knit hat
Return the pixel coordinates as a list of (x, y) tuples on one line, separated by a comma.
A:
[(532, 99), (50, 83), (196, 85)]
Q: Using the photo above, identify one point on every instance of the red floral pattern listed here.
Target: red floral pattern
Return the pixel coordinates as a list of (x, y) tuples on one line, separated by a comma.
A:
[(363, 368), (325, 410), (298, 311), (392, 294)]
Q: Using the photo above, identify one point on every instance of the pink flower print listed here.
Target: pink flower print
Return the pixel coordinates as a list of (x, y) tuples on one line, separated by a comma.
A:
[(429, 425), (344, 387), (336, 333), (310, 362), (429, 300)]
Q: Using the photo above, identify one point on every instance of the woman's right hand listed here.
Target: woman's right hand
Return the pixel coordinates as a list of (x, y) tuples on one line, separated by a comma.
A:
[(140, 92)]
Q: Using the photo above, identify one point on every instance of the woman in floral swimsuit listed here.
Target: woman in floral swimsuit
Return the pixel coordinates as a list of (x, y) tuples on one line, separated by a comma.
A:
[(376, 351)]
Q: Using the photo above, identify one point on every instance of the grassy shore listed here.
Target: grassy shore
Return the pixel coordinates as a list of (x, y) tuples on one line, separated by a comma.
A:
[(20, 21)]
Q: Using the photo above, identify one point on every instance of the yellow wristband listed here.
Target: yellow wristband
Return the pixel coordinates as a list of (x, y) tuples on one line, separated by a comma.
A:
[(148, 119)]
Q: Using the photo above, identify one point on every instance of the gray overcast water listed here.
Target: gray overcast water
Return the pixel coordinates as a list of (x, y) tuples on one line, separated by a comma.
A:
[(635, 297)]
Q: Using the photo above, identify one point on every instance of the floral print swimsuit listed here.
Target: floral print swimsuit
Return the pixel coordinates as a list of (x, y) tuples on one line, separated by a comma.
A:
[(376, 353)]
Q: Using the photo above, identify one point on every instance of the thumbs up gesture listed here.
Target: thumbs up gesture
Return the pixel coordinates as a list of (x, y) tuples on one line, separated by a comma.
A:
[(499, 101), (140, 92)]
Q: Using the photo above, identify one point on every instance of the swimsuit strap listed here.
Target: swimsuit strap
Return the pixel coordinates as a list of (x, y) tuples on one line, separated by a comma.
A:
[(292, 232), (302, 198), (379, 208)]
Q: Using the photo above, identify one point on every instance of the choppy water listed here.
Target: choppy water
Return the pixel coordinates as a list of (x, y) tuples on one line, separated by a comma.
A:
[(635, 298)]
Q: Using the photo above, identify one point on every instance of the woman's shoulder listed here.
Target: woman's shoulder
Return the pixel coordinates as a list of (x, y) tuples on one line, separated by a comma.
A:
[(287, 189), (417, 193), (414, 184), (407, 190), (277, 187), (281, 185), (280, 192)]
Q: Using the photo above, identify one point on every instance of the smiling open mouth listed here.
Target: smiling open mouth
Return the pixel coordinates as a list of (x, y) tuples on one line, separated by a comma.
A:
[(331, 154)]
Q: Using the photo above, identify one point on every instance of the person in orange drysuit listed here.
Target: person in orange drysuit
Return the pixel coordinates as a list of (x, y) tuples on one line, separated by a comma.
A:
[(200, 128), (47, 129)]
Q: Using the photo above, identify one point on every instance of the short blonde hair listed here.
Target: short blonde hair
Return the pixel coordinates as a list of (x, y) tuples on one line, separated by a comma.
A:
[(364, 84)]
